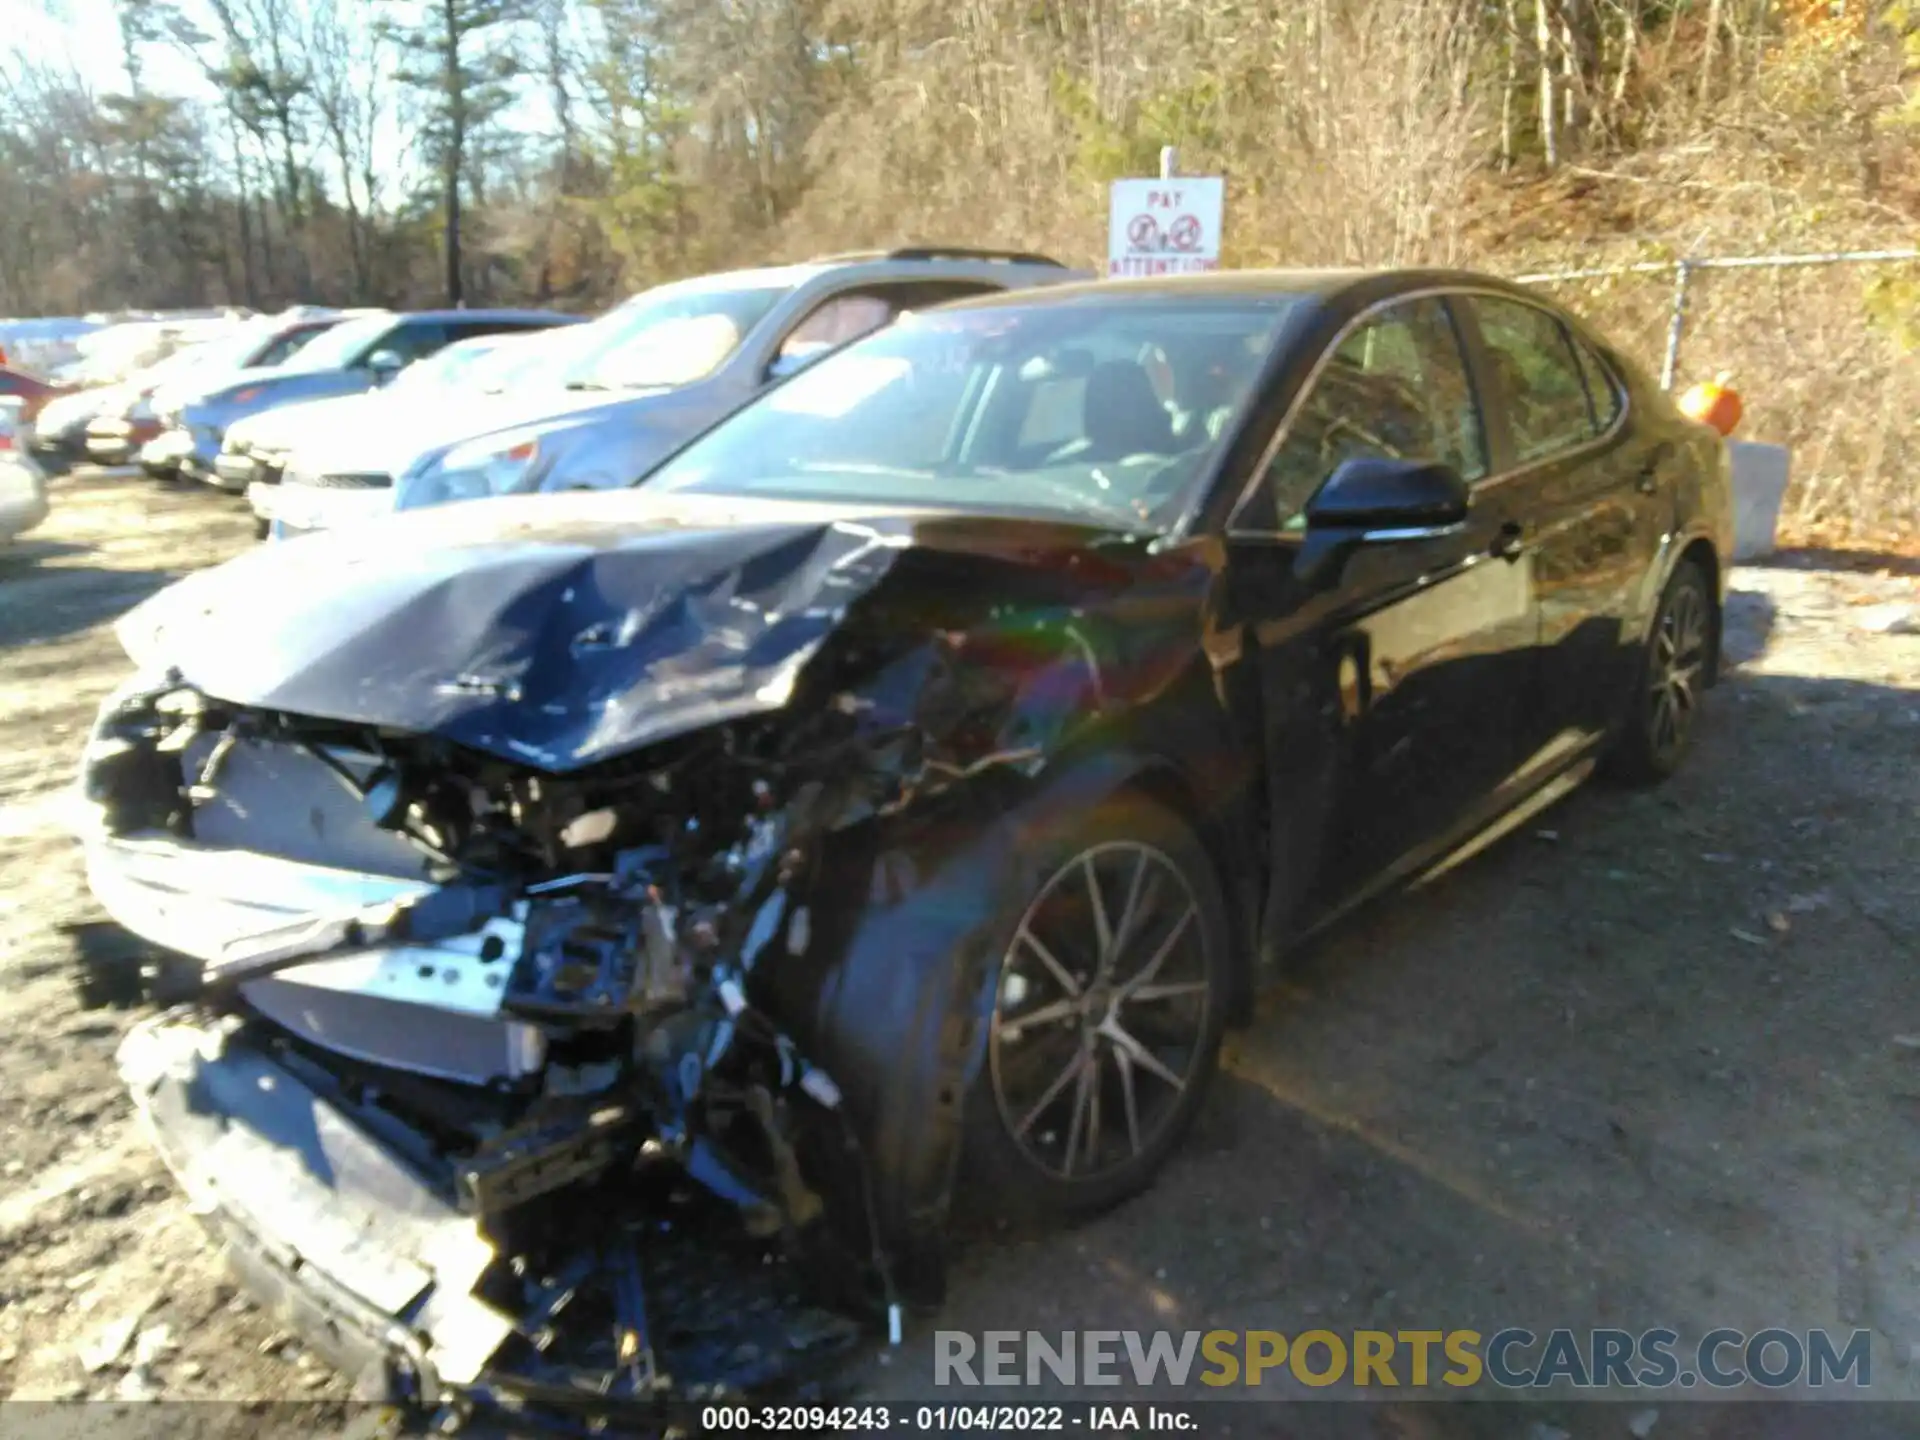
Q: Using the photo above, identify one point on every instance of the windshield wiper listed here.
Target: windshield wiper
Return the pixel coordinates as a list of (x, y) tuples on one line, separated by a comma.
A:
[(587, 385)]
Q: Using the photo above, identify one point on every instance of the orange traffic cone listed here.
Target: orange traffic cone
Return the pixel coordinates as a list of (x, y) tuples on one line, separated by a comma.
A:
[(1713, 402)]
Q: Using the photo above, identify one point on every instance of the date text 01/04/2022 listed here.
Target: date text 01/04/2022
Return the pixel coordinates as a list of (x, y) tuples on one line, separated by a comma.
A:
[(945, 1419)]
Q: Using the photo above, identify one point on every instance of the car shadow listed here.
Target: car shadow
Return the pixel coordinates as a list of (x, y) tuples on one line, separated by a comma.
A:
[(1839, 557), (39, 603), (1746, 625), (24, 554)]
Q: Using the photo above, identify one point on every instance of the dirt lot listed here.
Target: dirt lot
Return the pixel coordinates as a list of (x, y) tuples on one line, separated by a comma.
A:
[(1655, 1060)]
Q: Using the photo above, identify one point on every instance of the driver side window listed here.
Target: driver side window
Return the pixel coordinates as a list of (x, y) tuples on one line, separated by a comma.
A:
[(1396, 387), (411, 342)]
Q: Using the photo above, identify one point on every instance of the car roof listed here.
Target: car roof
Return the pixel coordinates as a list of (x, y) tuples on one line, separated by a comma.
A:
[(544, 317), (1329, 285), (905, 263)]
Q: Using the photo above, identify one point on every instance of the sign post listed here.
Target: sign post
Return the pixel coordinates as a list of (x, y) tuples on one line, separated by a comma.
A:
[(1168, 226)]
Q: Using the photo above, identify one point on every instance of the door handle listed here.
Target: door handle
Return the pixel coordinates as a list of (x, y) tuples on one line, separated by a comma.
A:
[(1510, 541)]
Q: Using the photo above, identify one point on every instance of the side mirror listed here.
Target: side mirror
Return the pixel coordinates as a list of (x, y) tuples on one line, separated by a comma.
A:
[(1370, 493), (385, 364), (792, 362), (1370, 499)]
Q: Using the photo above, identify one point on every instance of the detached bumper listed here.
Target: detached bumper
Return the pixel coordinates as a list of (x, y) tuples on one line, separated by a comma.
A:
[(370, 1262)]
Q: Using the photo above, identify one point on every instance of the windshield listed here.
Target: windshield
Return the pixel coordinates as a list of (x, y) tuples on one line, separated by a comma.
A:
[(1109, 411), (671, 337), (339, 347)]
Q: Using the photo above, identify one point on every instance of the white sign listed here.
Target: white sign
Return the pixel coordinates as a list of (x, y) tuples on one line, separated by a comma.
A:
[(1165, 227)]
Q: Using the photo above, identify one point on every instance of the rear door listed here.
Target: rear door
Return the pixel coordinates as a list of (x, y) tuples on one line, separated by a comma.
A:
[(1588, 496), (1389, 698)]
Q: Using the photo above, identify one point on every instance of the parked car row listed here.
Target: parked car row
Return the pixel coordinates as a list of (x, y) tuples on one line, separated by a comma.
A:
[(109, 423), (588, 410), (609, 927)]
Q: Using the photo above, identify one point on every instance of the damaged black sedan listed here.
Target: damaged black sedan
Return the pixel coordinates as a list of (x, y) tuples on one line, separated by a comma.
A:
[(604, 932)]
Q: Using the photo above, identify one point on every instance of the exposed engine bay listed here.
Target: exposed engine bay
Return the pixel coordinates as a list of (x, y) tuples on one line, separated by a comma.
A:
[(549, 994)]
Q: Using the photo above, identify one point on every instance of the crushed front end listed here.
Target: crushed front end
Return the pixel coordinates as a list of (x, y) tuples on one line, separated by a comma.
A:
[(469, 1065)]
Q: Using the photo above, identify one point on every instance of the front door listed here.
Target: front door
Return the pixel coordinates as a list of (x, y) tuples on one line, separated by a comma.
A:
[(1390, 693)]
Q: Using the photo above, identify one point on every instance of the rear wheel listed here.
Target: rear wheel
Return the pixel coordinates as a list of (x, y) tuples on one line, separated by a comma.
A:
[(1673, 674), (1111, 1001)]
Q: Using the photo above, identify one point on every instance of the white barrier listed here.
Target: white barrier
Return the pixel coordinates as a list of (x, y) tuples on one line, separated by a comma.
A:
[(1759, 485)]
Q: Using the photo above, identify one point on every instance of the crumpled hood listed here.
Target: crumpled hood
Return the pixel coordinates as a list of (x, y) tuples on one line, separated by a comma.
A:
[(551, 630)]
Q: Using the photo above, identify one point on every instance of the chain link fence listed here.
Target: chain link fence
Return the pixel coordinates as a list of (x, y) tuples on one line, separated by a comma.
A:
[(1820, 348)]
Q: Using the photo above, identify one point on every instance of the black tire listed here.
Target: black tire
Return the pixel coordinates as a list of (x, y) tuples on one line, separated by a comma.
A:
[(1028, 1172), (261, 528), (1674, 671)]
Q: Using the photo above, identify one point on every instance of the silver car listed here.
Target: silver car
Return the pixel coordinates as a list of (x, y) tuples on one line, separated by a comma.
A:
[(663, 367)]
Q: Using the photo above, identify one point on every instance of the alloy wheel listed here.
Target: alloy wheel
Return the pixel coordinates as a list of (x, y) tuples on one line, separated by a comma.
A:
[(1102, 1009), (1680, 648)]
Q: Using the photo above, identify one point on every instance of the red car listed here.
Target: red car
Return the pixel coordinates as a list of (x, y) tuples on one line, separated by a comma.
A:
[(34, 391)]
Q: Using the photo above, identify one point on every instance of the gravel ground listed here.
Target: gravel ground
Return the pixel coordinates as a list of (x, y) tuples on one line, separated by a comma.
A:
[(1653, 1060)]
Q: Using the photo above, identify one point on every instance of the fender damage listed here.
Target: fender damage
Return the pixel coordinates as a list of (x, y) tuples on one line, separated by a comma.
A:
[(579, 916)]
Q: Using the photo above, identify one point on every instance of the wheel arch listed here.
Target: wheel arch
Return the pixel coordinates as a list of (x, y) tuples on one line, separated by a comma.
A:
[(1700, 551), (1225, 837), (899, 1013)]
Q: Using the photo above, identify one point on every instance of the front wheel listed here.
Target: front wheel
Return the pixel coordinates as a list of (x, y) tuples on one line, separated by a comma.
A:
[(1674, 671), (1111, 1002)]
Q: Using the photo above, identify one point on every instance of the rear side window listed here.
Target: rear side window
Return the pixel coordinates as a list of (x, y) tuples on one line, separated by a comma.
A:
[(1602, 388), (474, 329), (410, 342), (1540, 378), (846, 317)]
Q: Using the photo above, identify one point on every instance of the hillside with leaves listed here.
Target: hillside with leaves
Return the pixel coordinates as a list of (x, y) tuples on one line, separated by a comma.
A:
[(569, 152)]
